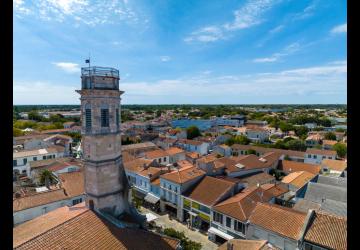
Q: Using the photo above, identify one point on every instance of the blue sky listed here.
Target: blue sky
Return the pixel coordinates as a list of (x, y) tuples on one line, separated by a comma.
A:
[(175, 52)]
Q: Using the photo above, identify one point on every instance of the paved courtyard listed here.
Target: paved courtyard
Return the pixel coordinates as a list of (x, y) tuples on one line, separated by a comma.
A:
[(165, 222)]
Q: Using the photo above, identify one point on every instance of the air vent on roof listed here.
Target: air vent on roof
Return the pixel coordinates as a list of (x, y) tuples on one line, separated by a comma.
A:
[(239, 165), (262, 160)]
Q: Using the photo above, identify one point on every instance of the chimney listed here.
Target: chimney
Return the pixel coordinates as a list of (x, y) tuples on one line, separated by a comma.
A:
[(230, 246), (91, 205)]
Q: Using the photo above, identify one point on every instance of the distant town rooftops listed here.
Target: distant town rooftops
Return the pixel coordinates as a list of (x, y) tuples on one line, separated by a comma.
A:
[(320, 152)]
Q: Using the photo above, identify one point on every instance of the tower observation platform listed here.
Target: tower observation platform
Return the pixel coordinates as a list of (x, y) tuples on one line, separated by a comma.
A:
[(103, 78)]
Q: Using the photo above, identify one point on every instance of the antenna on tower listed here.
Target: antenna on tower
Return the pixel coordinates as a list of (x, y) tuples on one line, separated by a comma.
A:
[(88, 60)]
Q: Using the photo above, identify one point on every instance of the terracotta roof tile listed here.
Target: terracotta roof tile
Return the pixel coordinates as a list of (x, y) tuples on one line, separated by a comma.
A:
[(38, 199), (328, 231), (193, 155), (329, 142), (294, 166), (284, 221), (242, 204), (298, 179), (210, 190), (244, 244), (32, 228), (137, 165), (260, 178), (156, 154), (320, 152), (262, 150), (191, 142), (174, 151), (207, 159), (183, 164), (334, 164), (183, 175), (90, 231), (275, 189), (72, 184)]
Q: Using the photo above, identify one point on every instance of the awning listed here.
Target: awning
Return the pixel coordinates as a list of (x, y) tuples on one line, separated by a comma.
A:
[(150, 217), (220, 233), (151, 198)]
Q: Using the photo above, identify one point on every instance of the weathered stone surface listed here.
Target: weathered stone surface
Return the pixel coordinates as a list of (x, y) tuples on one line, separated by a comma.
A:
[(105, 180)]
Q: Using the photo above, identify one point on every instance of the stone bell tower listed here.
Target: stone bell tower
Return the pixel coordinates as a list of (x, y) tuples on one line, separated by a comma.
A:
[(106, 184)]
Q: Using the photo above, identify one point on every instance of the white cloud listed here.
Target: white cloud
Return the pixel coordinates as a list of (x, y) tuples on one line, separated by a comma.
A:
[(277, 29), (319, 80), (165, 58), (206, 34), (307, 12), (293, 84), (68, 67), (248, 15), (339, 29), (288, 50), (79, 11), (20, 8), (44, 93)]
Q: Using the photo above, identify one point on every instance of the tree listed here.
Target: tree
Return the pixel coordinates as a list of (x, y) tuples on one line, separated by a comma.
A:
[(17, 132), (47, 178), (339, 130), (158, 113), (250, 152), (285, 127), (192, 132), (34, 115), (76, 136), (301, 131), (287, 158), (185, 242), (287, 139), (280, 144), (239, 139), (298, 145), (340, 149), (330, 136)]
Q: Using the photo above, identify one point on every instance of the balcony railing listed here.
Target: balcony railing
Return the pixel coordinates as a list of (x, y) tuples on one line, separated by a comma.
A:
[(100, 71)]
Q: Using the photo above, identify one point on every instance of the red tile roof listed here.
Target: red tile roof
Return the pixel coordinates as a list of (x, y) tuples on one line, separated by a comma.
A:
[(210, 190), (183, 175), (242, 204), (315, 151), (156, 154), (328, 231), (72, 184), (284, 221), (298, 179), (293, 166), (88, 230)]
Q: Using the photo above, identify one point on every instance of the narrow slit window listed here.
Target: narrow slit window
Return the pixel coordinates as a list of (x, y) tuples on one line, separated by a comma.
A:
[(88, 118), (104, 117), (117, 118)]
